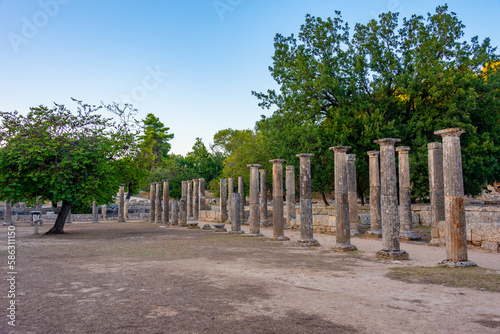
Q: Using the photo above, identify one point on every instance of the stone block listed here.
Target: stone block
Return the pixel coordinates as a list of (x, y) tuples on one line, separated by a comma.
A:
[(415, 219), (364, 220), (492, 246)]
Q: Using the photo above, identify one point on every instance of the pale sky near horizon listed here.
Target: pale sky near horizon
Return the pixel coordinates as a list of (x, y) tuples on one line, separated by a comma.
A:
[(191, 63)]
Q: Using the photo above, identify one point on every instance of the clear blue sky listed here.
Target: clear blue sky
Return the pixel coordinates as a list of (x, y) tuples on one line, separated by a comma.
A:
[(189, 63)]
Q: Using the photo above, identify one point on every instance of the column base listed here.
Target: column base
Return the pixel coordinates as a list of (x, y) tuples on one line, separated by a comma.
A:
[(392, 255), (219, 228), (167, 223), (121, 221), (456, 264), (236, 232), (266, 223), (280, 238), (193, 226), (255, 235), (308, 242), (344, 248), (434, 242), (183, 225), (373, 234), (207, 227), (409, 235)]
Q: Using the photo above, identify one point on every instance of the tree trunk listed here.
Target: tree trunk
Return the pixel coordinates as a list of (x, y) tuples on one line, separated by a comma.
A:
[(324, 198), (61, 218), (54, 204), (129, 194)]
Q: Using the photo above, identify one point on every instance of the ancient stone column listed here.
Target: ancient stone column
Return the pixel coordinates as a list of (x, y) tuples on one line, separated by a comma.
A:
[(456, 240), (202, 194), (306, 216), (342, 229), (196, 199), (375, 213), (223, 200), (8, 214), (436, 189), (406, 230), (291, 214), (175, 213), (278, 228), (263, 199), (158, 203), (104, 211), (166, 200), (121, 205), (352, 194), (389, 202), (235, 214), (152, 195), (183, 205), (189, 198), (230, 191), (241, 191), (254, 202), (125, 208), (95, 213)]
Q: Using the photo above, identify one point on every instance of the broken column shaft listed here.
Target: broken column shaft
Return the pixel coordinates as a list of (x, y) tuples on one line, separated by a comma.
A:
[(254, 202), (278, 228), (306, 216)]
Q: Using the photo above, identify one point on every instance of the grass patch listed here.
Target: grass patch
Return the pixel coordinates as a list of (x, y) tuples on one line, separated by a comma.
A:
[(472, 277)]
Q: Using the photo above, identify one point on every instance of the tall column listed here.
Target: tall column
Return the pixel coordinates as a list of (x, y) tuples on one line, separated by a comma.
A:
[(202, 194), (436, 189), (241, 191), (290, 195), (158, 203), (152, 195), (223, 200), (175, 213), (125, 208), (342, 230), (254, 202), (196, 199), (306, 217), (389, 202), (235, 214), (8, 214), (95, 214), (189, 198), (104, 211), (183, 205), (263, 199), (278, 228), (456, 240), (352, 194), (166, 200), (121, 205), (375, 211), (230, 191), (405, 221)]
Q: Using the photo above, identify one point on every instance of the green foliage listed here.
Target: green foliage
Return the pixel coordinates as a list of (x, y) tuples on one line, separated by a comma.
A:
[(154, 140), (387, 80), (58, 155)]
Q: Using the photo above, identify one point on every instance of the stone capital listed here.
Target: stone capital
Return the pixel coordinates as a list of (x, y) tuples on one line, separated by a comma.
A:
[(305, 155), (277, 161), (403, 149), (254, 166), (452, 132), (373, 154), (387, 141), (351, 157), (262, 170), (340, 149), (435, 146)]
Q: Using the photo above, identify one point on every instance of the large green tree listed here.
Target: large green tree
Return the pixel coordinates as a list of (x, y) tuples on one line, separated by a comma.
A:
[(54, 154), (155, 139), (389, 79)]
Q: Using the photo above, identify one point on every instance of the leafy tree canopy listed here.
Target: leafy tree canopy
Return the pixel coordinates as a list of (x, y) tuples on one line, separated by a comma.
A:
[(155, 139), (54, 154)]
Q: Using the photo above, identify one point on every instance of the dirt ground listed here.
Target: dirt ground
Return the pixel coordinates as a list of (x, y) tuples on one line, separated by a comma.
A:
[(138, 277)]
